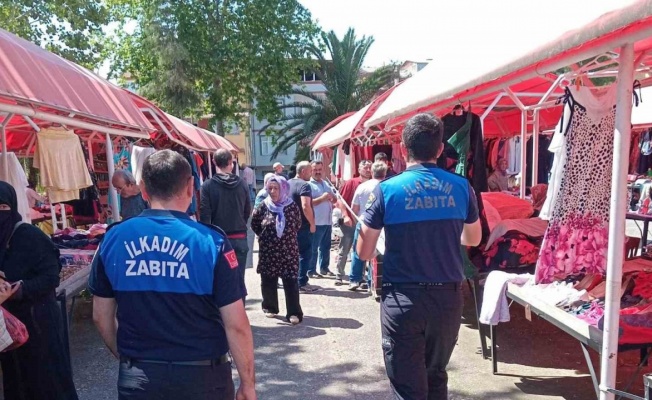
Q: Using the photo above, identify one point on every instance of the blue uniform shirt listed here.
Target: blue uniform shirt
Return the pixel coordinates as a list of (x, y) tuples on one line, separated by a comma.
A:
[(169, 276), (423, 211)]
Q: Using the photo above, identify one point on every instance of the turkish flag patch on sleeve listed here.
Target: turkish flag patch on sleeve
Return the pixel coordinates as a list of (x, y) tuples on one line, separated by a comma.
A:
[(231, 258)]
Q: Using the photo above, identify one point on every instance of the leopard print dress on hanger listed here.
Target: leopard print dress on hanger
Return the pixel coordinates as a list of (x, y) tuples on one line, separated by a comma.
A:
[(577, 235)]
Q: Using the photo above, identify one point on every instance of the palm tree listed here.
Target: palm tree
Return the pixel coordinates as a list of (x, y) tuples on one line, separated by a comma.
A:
[(347, 89)]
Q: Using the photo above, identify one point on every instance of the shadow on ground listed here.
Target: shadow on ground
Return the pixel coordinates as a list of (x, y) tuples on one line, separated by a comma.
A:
[(283, 376)]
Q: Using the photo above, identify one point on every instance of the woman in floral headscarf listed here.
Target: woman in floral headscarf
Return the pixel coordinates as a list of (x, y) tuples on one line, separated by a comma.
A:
[(276, 222)]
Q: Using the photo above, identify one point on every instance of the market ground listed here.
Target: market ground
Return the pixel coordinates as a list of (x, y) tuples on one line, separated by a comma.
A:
[(335, 354)]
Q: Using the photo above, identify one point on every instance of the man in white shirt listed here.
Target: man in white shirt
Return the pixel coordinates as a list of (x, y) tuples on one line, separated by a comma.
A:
[(249, 176), (358, 205), (323, 199)]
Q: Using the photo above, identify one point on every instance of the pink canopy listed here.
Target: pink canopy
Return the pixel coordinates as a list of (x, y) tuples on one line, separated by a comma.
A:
[(178, 130), (45, 84)]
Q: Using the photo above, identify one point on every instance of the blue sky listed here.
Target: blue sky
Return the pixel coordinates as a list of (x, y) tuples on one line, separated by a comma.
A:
[(420, 29)]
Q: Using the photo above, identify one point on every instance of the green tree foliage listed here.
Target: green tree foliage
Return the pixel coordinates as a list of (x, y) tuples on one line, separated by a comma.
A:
[(195, 57), (71, 28), (348, 88)]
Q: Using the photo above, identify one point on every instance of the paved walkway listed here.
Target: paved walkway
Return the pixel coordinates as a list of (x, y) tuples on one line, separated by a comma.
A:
[(335, 354)]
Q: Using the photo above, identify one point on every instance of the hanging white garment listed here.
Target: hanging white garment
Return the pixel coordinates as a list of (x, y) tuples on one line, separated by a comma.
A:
[(61, 179), (15, 176), (514, 156), (138, 156), (347, 168), (558, 148)]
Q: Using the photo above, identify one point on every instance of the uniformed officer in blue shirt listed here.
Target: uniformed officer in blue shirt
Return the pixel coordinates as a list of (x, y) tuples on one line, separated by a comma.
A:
[(174, 289), (427, 214)]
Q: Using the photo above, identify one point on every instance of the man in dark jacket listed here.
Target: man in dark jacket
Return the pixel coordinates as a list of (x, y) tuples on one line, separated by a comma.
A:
[(225, 203)]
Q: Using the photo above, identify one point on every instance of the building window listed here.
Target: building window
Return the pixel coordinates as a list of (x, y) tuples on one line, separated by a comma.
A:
[(307, 76), (266, 145)]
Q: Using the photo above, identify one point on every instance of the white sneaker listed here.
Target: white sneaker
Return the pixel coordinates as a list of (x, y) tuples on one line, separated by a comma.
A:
[(294, 320), (270, 315), (353, 286)]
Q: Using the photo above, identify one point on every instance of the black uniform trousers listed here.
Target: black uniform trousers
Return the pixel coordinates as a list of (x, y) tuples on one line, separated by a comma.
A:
[(149, 381), (420, 326)]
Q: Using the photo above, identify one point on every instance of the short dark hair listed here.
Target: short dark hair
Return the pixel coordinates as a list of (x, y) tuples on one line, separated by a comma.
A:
[(223, 158), (381, 157), (422, 137), (165, 174), (316, 162)]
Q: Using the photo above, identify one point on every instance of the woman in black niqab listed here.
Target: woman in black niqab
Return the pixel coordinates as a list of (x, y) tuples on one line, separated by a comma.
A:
[(9, 216), (40, 369)]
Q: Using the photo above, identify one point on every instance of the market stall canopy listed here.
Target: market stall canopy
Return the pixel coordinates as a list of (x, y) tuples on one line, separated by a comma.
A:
[(198, 138), (222, 142), (44, 88), (329, 126), (340, 132), (466, 71)]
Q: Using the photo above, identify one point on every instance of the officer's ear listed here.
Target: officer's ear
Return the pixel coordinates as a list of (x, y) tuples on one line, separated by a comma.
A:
[(190, 187), (440, 150), (143, 191), (404, 151)]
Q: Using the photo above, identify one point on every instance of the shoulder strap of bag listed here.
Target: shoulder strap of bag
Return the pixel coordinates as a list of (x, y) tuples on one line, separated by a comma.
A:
[(19, 223)]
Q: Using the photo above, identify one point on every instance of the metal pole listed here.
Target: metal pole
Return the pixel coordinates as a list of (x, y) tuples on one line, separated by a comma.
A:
[(5, 159), (535, 148), (210, 164), (3, 133), (58, 119), (523, 152), (64, 217), (113, 194), (622, 138)]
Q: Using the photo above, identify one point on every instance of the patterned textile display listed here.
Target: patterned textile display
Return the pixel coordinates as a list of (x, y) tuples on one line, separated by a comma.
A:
[(513, 249), (576, 238)]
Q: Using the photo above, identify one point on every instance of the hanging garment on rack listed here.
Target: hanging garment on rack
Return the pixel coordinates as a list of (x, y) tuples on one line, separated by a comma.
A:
[(15, 176), (514, 159), (138, 156), (645, 152), (577, 235), (61, 179), (634, 152), (122, 158), (199, 162), (475, 165), (397, 158), (558, 148), (544, 160)]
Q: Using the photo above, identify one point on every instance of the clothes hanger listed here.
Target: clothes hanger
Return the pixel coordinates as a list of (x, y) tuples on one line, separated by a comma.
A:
[(458, 110)]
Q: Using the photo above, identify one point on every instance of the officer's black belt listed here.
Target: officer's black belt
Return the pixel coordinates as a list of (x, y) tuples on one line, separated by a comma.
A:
[(200, 363), (423, 285)]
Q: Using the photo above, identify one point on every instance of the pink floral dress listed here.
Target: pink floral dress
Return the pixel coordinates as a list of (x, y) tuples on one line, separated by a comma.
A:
[(577, 235)]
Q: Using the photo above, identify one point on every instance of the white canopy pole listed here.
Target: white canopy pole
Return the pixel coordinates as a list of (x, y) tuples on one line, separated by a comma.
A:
[(622, 138), (209, 160), (113, 194), (3, 132), (523, 152)]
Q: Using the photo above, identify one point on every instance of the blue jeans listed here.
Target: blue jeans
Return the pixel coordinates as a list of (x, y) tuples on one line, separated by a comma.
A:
[(305, 253), (321, 249), (357, 265)]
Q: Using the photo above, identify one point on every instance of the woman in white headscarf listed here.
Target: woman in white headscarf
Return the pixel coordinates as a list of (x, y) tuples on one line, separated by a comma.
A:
[(276, 222)]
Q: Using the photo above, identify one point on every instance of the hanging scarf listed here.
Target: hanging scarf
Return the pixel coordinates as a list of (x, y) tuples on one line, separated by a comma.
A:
[(8, 219), (278, 207)]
